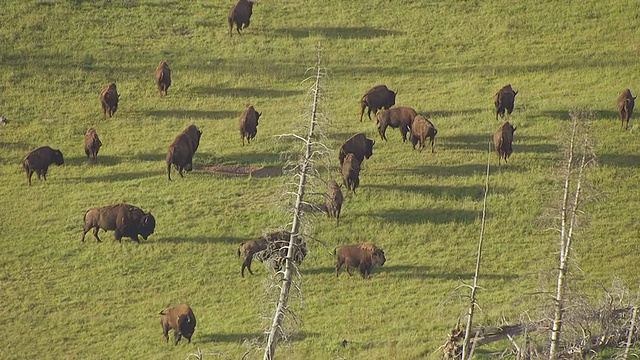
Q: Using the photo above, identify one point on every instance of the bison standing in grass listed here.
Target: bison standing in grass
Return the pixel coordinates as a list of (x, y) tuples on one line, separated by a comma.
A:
[(626, 102), (504, 99), (334, 201), (92, 145), (127, 221), (240, 15), (38, 161), (378, 97), (351, 172), (181, 319), (271, 248), (502, 140), (182, 149), (249, 124), (363, 256), (109, 98), (358, 145), (421, 129), (400, 117), (163, 77)]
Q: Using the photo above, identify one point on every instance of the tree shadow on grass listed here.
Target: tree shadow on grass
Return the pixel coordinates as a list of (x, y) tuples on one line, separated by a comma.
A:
[(468, 142), (120, 176), (251, 158), (198, 114), (105, 160), (435, 216), (246, 93), (447, 113), (474, 192), (241, 337), (564, 114), (361, 32), (620, 160), (202, 240), (425, 272)]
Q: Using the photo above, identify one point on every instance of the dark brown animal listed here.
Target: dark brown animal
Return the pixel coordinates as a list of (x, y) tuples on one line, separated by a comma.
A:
[(38, 161), (109, 98), (502, 140), (363, 256), (378, 97), (351, 172), (421, 129), (359, 146), (181, 319), (249, 124), (163, 77), (240, 15), (626, 102), (127, 221), (248, 249), (182, 149), (334, 201), (400, 117), (92, 145), (504, 99), (272, 249)]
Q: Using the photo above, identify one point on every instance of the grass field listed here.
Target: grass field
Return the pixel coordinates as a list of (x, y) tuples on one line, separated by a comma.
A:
[(63, 299)]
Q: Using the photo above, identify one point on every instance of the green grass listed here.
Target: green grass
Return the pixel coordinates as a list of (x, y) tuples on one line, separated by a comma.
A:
[(61, 298)]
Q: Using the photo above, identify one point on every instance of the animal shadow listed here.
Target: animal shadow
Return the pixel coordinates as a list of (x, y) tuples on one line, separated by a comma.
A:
[(104, 160), (202, 240), (245, 93), (474, 192), (227, 338), (193, 114), (621, 160), (361, 32), (435, 216)]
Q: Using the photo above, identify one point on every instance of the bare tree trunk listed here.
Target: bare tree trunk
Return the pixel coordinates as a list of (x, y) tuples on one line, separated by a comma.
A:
[(632, 330)]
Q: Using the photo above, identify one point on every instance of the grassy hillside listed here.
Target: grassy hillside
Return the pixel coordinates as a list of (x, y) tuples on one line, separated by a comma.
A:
[(62, 298)]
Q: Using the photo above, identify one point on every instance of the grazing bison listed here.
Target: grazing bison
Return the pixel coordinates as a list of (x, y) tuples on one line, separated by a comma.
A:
[(163, 77), (421, 129), (240, 15), (351, 172), (400, 117), (504, 99), (181, 319), (182, 149), (363, 256), (127, 221), (109, 99), (626, 102), (271, 248), (334, 201), (249, 124), (38, 161), (92, 144), (502, 140), (359, 146), (378, 97)]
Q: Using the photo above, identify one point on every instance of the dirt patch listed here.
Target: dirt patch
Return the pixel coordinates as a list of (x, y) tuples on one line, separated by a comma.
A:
[(243, 171)]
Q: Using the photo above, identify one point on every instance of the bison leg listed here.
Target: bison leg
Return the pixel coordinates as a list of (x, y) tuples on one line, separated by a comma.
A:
[(403, 131), (165, 332), (246, 264), (29, 174), (95, 233), (176, 336)]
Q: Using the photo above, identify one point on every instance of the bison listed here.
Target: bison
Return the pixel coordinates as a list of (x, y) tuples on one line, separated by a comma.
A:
[(92, 144), (334, 201), (271, 248), (359, 146), (400, 117), (351, 172), (127, 221), (249, 124), (109, 99), (626, 102), (363, 256), (163, 77), (421, 129), (181, 319), (38, 161), (504, 99), (502, 140), (378, 97), (240, 15), (182, 149)]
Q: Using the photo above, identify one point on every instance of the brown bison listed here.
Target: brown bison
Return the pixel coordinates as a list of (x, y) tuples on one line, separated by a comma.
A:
[(163, 77), (378, 97), (504, 99), (502, 140), (182, 149), (109, 99), (92, 145), (181, 319), (359, 146), (363, 256), (38, 161), (334, 200), (400, 117), (249, 124), (272, 249), (351, 172), (240, 15), (127, 221), (421, 129), (626, 102)]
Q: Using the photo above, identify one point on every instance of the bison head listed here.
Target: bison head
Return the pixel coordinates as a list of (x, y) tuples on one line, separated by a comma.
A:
[(377, 257), (369, 148), (147, 226), (57, 157)]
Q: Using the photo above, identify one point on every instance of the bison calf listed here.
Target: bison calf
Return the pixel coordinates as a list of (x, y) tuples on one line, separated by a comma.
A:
[(378, 97), (92, 145), (163, 77), (249, 248), (38, 161), (181, 319), (334, 201), (272, 249), (182, 149), (363, 256), (109, 98), (351, 173), (249, 124), (240, 15), (127, 221), (400, 117), (504, 99), (626, 102), (421, 129), (502, 140)]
